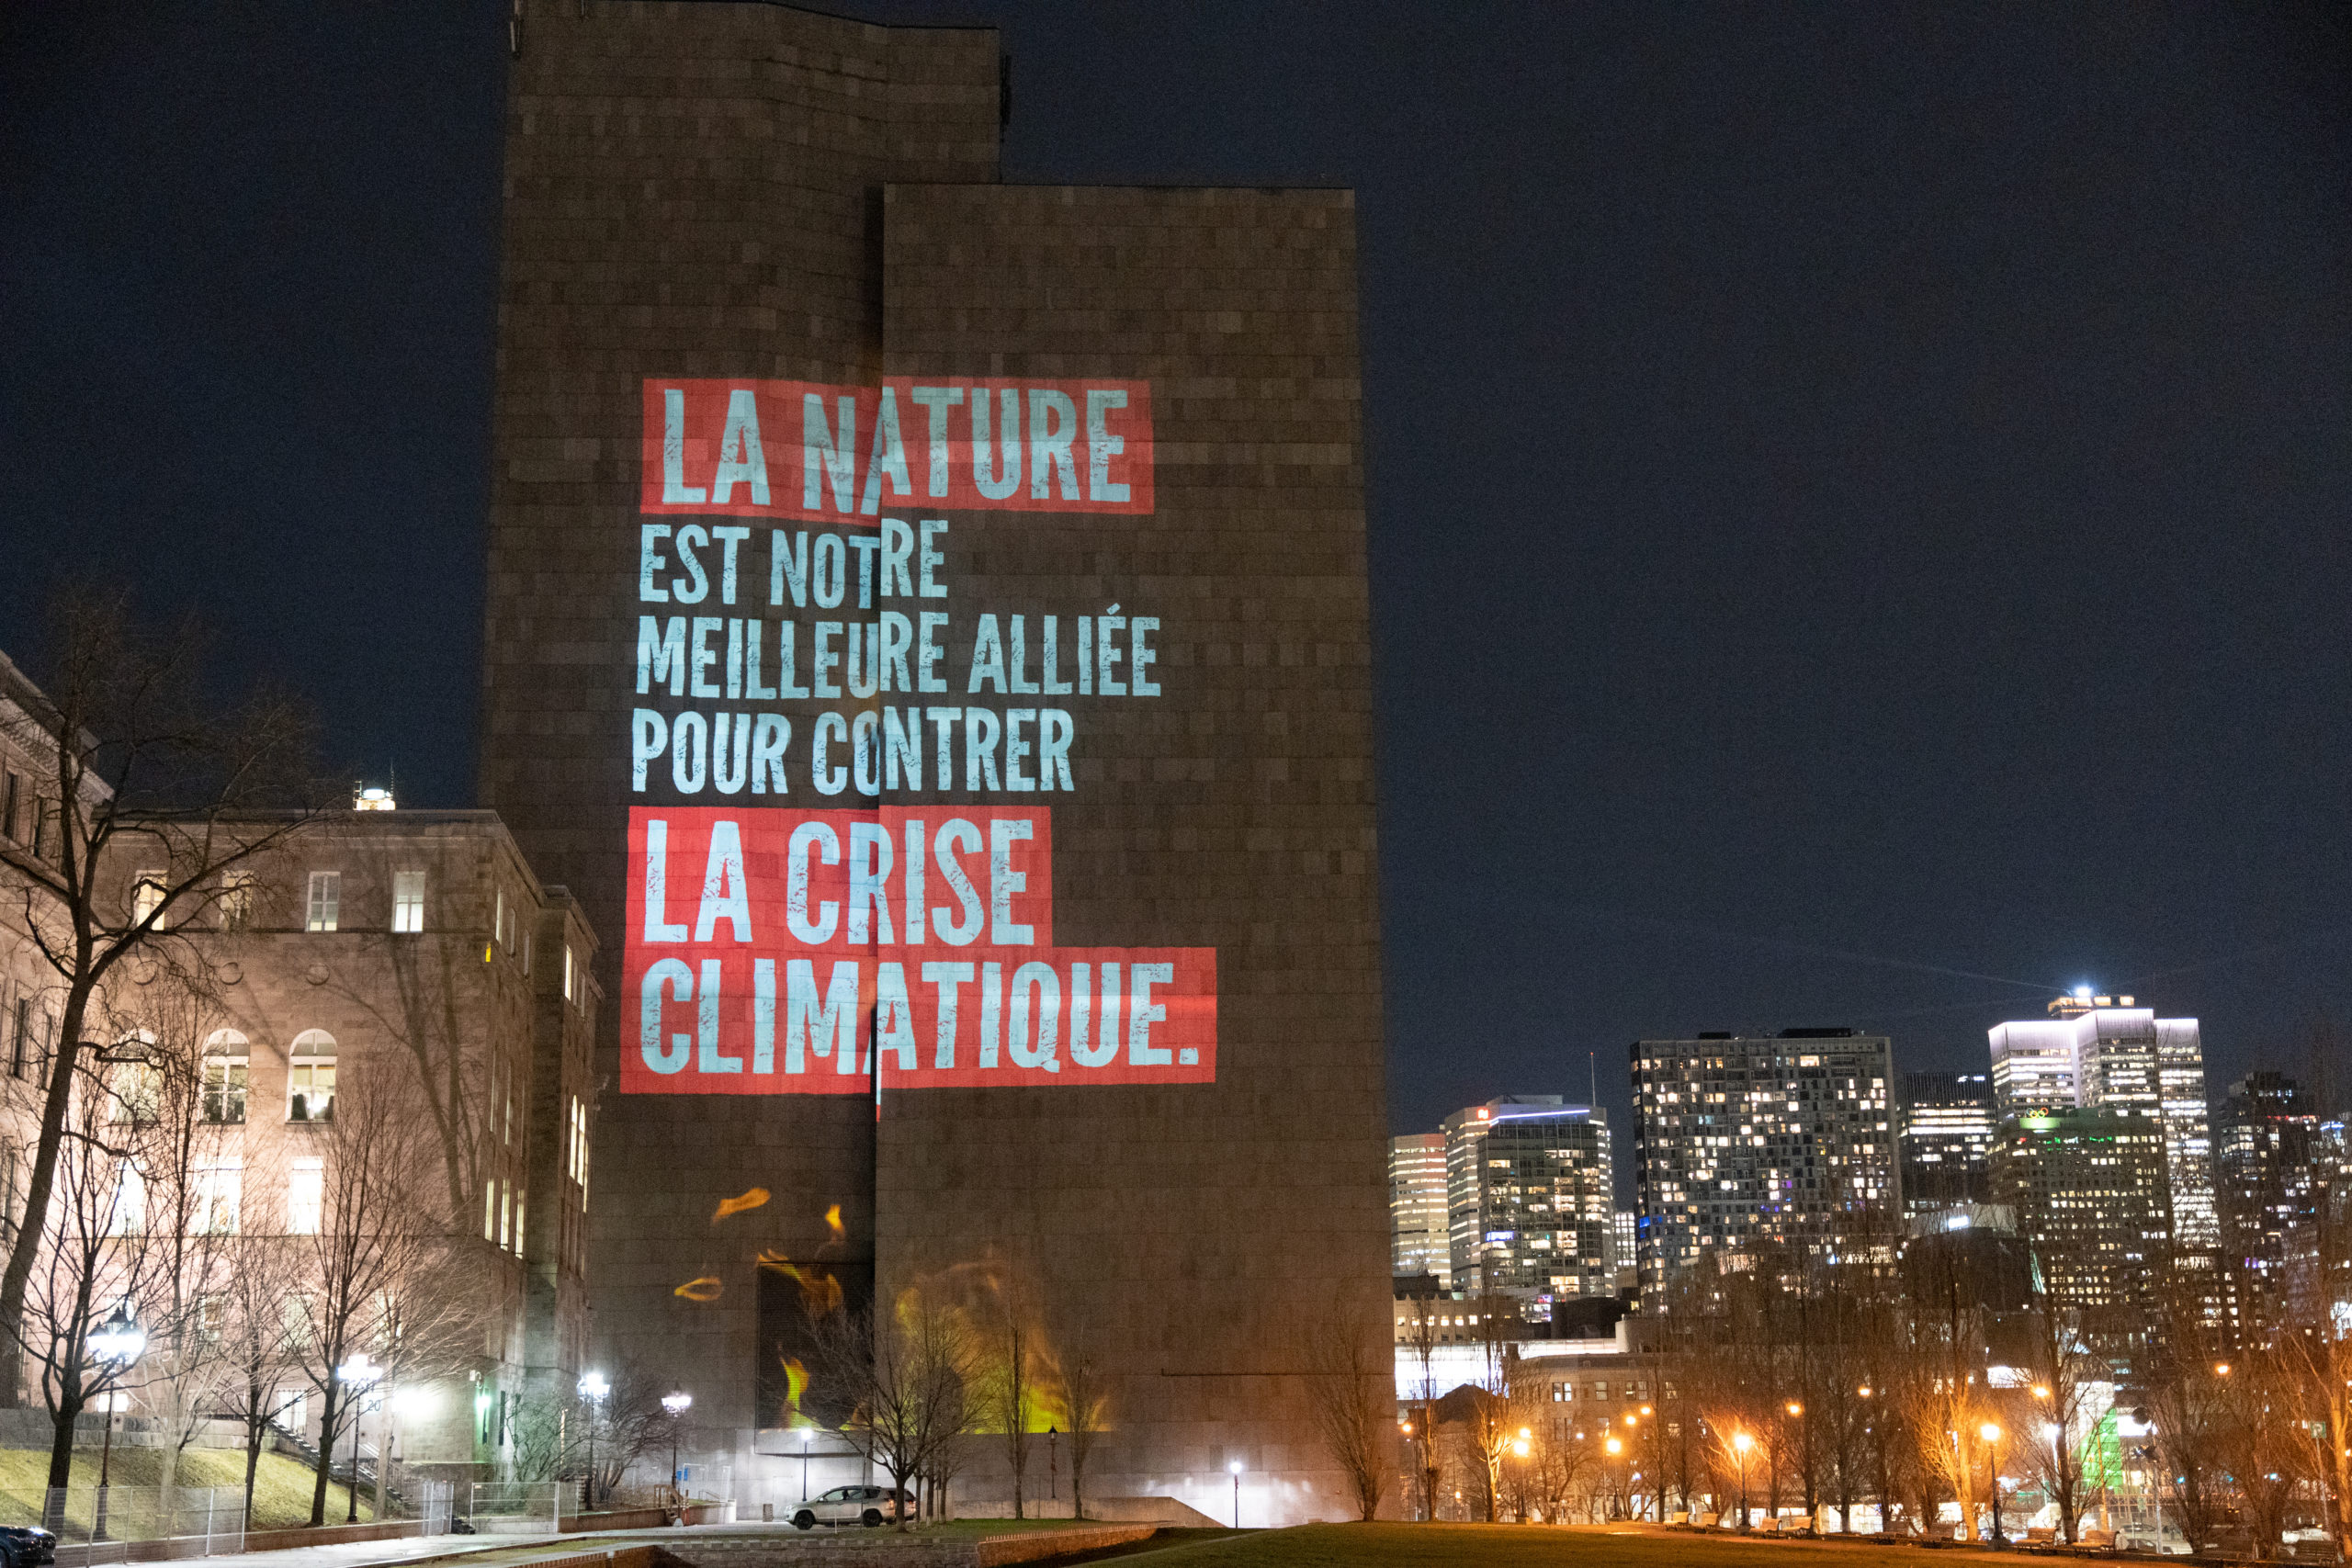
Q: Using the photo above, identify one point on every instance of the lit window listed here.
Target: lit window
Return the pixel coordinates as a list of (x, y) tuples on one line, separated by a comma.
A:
[(138, 1088), (220, 1190), (225, 1063), (130, 1201), (498, 918), (236, 900), (408, 901), (147, 898), (306, 1192), (489, 1209), (326, 901), (571, 984), (310, 1077)]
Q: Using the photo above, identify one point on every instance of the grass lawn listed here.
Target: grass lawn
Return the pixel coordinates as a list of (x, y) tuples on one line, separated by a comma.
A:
[(1531, 1546), (281, 1487)]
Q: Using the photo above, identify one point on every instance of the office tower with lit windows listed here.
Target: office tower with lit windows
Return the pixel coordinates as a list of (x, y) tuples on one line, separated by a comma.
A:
[(2280, 1166), (1944, 1129), (2090, 1191), (2095, 1051), (1529, 1184), (1418, 1238), (1743, 1144)]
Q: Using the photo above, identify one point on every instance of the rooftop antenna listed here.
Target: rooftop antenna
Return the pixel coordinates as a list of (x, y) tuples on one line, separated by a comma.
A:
[(1592, 1074)]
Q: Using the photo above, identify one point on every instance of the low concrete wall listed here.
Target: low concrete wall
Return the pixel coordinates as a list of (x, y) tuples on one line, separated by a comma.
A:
[(791, 1548), (327, 1535)]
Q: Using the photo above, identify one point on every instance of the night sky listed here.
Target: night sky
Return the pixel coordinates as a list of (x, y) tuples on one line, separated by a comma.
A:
[(1858, 495)]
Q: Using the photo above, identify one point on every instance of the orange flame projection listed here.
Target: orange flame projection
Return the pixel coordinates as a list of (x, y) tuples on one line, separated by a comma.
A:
[(833, 1224), (819, 1292), (751, 1199), (706, 1289)]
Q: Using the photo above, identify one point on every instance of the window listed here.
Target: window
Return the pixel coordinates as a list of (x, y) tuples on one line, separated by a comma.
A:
[(7, 1192), (526, 950), (130, 1201), (20, 1037), (408, 901), (498, 918), (310, 1077), (236, 900), (225, 1062), (326, 900), (10, 805), (218, 1192), (211, 1315), (147, 898), (520, 1200), (489, 1209), (306, 1192), (138, 1088), (570, 983)]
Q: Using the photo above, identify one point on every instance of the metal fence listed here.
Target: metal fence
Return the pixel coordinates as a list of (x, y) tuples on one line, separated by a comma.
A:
[(87, 1520)]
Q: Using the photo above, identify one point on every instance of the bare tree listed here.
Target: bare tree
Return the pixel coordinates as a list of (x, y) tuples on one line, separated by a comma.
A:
[(2062, 1369), (908, 1375), (141, 776), (1008, 1403), (378, 1239), (2188, 1399), (96, 1254), (1350, 1391), (1086, 1399), (261, 1321), (1421, 1327)]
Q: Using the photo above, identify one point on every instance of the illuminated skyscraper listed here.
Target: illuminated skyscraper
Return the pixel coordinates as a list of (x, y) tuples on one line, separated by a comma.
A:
[(2098, 1051), (1418, 1242), (1946, 1122), (2089, 1190), (2279, 1165), (1745, 1143), (1528, 1195)]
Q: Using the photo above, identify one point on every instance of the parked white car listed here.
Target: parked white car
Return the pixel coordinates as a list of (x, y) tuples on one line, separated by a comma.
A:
[(869, 1506)]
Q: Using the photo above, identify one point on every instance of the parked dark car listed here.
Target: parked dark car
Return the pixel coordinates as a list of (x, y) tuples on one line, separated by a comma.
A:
[(22, 1546)]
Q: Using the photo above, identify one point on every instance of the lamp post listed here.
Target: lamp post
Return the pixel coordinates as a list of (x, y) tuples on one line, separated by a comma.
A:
[(592, 1387), (1236, 1468), (807, 1434), (1992, 1434), (116, 1345), (355, 1374), (677, 1402), (1053, 1470), (1741, 1442)]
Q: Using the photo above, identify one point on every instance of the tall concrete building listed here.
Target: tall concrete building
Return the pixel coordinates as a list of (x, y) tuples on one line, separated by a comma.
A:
[(1528, 1195), (2090, 1191), (912, 561), (1419, 1242), (1749, 1142), (2098, 1050), (1944, 1131)]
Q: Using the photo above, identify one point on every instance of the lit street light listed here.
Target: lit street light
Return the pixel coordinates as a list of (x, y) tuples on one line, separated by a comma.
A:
[(1992, 1434), (1236, 1468), (592, 1387), (808, 1436), (677, 1404), (356, 1375), (116, 1347), (1740, 1442)]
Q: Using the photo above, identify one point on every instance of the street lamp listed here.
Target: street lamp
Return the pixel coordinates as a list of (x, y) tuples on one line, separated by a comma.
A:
[(354, 1374), (1992, 1434), (116, 1347), (677, 1403), (1053, 1462), (1740, 1443), (1236, 1468), (592, 1387), (808, 1436)]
